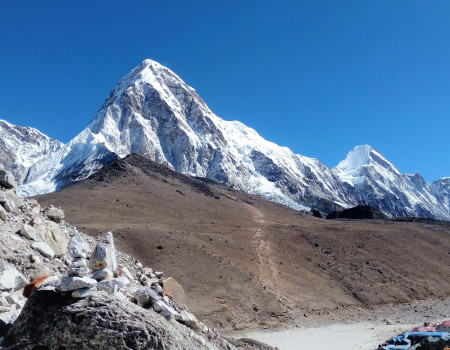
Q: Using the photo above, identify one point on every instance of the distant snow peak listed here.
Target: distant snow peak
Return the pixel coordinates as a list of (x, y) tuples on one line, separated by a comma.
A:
[(384, 188)]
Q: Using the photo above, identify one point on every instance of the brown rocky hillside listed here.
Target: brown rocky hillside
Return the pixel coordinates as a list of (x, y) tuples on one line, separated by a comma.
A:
[(245, 261)]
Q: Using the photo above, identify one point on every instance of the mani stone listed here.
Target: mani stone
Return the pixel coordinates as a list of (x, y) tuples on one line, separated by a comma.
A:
[(7, 179), (54, 214), (44, 249), (70, 283), (104, 255)]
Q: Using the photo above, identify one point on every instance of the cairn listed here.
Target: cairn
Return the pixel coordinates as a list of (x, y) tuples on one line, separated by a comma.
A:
[(77, 281)]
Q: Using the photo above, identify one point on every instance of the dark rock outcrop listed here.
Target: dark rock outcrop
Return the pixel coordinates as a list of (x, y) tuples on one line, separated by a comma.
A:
[(316, 213), (358, 212), (50, 320)]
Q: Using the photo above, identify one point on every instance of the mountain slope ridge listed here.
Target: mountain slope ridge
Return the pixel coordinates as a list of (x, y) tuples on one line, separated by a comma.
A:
[(152, 112)]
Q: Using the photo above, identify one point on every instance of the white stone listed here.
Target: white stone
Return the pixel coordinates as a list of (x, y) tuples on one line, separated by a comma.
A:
[(77, 246), (11, 278), (126, 273), (158, 306), (120, 296), (28, 232), (15, 299), (70, 283), (10, 316), (44, 249), (189, 320)]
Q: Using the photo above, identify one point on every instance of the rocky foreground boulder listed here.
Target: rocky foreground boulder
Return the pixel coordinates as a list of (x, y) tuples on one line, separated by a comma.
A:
[(54, 321)]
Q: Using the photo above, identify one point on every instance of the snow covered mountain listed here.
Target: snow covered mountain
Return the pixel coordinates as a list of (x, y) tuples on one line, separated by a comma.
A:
[(152, 112), (21, 147), (384, 188)]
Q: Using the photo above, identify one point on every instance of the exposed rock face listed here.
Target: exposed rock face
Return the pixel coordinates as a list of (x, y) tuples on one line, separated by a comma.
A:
[(358, 212), (7, 179), (51, 320)]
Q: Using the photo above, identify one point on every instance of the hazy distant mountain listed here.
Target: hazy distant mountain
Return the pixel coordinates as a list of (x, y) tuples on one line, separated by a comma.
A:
[(152, 112)]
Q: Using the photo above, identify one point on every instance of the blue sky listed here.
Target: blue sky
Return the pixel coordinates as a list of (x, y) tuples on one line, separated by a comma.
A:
[(317, 76)]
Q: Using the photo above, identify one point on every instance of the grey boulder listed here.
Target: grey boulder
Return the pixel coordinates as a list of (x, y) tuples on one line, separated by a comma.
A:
[(145, 296)]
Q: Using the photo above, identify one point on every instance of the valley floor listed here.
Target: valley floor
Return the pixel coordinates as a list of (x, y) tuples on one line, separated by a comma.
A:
[(355, 329)]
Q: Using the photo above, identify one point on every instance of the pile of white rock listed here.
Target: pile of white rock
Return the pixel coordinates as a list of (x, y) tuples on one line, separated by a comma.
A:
[(106, 277)]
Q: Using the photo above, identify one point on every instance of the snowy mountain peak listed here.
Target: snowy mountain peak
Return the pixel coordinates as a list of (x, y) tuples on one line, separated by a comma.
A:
[(154, 113), (21, 147), (351, 169)]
